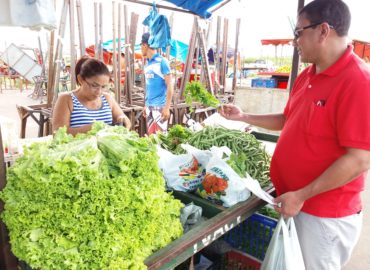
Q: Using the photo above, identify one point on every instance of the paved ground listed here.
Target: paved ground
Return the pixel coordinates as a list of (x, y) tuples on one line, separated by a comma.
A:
[(361, 257)]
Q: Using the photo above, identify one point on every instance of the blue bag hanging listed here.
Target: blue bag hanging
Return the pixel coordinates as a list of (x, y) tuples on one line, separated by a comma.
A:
[(159, 28)]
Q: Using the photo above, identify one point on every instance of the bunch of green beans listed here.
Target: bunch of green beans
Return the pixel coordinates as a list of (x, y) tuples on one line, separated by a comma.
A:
[(249, 155)]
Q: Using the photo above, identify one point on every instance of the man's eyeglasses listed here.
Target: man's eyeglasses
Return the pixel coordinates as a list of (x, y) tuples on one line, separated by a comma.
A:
[(96, 86), (297, 32)]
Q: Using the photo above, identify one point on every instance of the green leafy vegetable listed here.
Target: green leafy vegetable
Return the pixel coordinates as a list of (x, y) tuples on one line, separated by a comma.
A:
[(172, 140), (90, 202), (195, 91)]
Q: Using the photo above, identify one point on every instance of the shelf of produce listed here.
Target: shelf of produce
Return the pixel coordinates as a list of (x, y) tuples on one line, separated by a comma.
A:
[(220, 221)]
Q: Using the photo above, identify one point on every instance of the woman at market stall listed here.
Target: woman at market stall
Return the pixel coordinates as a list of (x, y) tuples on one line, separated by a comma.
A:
[(90, 102)]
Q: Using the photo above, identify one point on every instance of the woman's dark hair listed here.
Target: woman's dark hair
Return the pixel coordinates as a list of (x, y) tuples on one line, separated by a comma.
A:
[(335, 12), (88, 67)]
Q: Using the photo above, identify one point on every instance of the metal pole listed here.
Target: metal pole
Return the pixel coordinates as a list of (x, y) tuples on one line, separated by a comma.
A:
[(160, 6)]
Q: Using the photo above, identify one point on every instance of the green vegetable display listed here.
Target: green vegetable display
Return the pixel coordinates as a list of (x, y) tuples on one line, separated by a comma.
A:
[(90, 202), (248, 154), (172, 140), (196, 92)]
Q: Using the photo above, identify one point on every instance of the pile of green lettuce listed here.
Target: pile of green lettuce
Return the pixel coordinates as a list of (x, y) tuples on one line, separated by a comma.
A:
[(95, 201)]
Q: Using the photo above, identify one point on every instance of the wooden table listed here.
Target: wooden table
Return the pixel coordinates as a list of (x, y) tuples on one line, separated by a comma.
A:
[(40, 113)]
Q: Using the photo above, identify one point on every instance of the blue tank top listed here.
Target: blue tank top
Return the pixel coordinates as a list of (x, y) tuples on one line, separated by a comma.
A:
[(83, 116)]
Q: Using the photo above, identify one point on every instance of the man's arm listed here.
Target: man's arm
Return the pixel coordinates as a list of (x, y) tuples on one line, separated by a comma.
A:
[(341, 172), (169, 94), (267, 121)]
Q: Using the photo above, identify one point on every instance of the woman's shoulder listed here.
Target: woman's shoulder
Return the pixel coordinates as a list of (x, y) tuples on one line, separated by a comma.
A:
[(64, 97)]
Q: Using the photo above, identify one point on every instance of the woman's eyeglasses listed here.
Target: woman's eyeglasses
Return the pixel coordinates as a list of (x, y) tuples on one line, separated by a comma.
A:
[(96, 86), (297, 32)]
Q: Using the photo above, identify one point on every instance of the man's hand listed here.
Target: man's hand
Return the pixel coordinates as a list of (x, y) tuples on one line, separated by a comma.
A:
[(289, 204), (231, 112), (144, 112), (165, 114)]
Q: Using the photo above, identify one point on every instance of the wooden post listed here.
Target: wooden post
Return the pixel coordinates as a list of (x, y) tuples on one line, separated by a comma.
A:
[(114, 57), (96, 27), (217, 53), (81, 30), (127, 58), (54, 64), (101, 32), (72, 39), (168, 49), (119, 71), (189, 60), (224, 54), (296, 59), (2, 164), (236, 52), (50, 93), (132, 40)]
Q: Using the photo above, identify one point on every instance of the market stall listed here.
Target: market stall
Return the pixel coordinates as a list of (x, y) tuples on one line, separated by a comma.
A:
[(217, 220)]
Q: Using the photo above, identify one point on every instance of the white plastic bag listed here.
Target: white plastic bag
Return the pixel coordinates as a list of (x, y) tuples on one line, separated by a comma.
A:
[(183, 172), (284, 251), (221, 184)]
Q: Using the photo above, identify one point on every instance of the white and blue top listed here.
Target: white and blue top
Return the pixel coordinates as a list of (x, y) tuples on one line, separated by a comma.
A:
[(83, 116), (156, 88)]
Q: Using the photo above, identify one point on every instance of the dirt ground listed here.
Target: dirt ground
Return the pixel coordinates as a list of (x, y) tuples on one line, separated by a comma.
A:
[(9, 98)]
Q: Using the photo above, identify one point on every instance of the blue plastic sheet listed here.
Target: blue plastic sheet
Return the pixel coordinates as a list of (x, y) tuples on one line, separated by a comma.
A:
[(199, 7), (178, 50), (159, 28)]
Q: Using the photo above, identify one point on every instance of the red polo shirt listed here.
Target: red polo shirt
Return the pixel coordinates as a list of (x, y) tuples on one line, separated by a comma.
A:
[(325, 113)]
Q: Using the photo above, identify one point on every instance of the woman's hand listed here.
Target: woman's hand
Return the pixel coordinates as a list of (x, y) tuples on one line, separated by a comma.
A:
[(123, 119)]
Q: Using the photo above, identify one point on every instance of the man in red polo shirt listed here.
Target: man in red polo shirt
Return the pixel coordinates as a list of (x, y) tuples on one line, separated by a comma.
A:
[(323, 153)]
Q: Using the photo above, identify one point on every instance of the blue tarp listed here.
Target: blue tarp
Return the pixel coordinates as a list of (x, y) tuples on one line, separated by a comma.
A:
[(198, 7), (179, 50), (108, 45)]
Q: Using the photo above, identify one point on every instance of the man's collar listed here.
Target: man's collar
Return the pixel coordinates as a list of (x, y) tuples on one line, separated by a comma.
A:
[(338, 65)]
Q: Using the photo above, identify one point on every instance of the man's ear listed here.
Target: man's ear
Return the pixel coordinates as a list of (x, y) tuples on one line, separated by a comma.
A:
[(325, 30)]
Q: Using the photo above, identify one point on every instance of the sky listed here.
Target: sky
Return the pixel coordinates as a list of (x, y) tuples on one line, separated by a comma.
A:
[(260, 19)]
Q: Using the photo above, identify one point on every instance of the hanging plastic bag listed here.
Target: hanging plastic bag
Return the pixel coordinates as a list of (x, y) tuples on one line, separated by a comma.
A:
[(160, 34), (284, 251)]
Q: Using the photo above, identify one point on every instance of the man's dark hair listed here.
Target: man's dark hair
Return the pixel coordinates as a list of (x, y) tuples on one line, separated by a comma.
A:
[(335, 12), (88, 67)]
